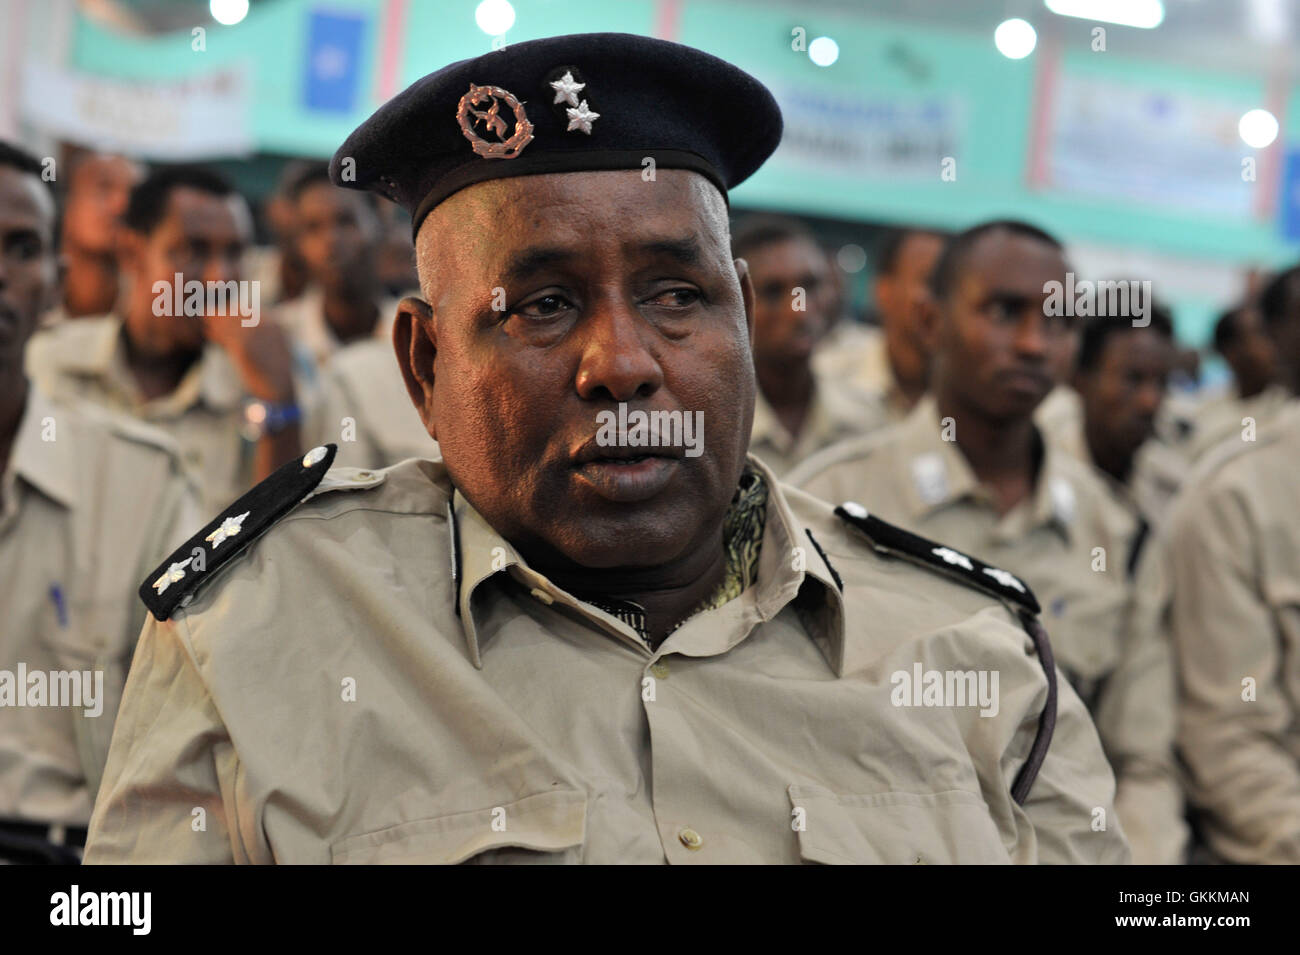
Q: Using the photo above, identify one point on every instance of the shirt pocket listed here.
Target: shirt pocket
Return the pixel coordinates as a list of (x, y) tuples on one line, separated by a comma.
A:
[(895, 828), (544, 828)]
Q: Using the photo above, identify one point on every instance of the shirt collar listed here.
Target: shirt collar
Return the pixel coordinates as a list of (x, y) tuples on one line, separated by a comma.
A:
[(790, 565), (211, 381), (48, 464), (936, 474), (833, 412)]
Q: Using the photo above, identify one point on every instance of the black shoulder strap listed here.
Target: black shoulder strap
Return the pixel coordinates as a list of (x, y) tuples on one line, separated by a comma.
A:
[(181, 574), (889, 539)]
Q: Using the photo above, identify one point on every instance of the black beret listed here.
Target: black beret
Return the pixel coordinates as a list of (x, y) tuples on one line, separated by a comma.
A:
[(562, 104)]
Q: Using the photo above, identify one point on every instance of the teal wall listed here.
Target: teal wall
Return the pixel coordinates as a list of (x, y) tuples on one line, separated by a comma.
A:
[(997, 96)]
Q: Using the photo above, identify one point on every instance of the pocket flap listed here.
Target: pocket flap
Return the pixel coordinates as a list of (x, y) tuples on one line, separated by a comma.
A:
[(895, 828), (543, 822)]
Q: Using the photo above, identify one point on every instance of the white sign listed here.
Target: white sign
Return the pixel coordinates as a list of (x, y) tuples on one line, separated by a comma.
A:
[(175, 119)]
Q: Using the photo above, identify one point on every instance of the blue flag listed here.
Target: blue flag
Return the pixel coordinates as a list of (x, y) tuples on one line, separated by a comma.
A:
[(333, 61)]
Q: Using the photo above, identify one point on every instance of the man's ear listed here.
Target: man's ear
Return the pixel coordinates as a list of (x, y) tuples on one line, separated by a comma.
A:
[(416, 345), (747, 295)]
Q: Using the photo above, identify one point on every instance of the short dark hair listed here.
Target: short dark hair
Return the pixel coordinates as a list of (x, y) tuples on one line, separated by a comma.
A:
[(891, 247), (947, 268), (147, 205), (1098, 330), (756, 231), (304, 175), (1226, 330), (15, 157), (1274, 299)]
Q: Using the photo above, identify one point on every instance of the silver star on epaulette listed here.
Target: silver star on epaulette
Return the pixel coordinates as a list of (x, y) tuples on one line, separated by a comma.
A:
[(1004, 578), (172, 574), (952, 557), (566, 89), (229, 528), (581, 118)]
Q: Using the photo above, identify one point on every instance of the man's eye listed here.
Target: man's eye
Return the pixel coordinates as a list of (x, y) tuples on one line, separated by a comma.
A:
[(676, 298), (543, 307), (25, 249)]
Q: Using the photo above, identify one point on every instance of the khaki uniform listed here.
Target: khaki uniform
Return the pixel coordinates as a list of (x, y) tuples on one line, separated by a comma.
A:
[(1235, 558), (1221, 420), (854, 355), (461, 707), (837, 412), (364, 408), (86, 360), (303, 318), (910, 476), (90, 504)]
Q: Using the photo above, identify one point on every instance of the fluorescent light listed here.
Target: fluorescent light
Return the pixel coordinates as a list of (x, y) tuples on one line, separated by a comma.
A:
[(1145, 14), (1258, 128), (494, 17), (1015, 39), (823, 51), (228, 12)]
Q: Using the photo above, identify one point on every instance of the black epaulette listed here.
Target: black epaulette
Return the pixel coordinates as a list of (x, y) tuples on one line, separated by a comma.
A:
[(885, 538), (180, 575), (888, 539)]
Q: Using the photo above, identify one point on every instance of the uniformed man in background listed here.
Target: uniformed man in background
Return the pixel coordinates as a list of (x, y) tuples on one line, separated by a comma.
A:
[(220, 382), (1235, 617), (891, 362), (565, 641), (88, 503), (970, 467), (797, 411)]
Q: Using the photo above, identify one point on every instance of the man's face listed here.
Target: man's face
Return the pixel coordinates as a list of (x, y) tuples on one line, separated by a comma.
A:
[(28, 265), (1122, 393), (1251, 355), (900, 298), (202, 237), (1284, 332), (789, 323), (614, 291), (995, 347), (97, 195), (337, 233)]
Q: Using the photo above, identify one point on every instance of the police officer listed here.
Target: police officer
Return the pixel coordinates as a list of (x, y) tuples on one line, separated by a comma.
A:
[(970, 467), (88, 502), (561, 642), (220, 381)]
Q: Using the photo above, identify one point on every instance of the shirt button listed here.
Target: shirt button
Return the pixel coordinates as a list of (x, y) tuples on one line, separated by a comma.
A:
[(660, 671), (690, 838), (543, 596)]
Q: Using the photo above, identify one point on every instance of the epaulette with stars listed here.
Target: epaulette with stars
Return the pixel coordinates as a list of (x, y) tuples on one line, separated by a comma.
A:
[(176, 579), (893, 541)]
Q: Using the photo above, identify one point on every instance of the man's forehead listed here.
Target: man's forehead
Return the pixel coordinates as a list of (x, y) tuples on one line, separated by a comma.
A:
[(24, 199), (193, 209), (1005, 261)]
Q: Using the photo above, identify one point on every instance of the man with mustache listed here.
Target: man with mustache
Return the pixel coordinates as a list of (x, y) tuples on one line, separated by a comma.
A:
[(88, 503), (970, 467), (545, 647)]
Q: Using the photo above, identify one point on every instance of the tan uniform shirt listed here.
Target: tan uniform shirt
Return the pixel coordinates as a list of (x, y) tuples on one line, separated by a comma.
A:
[(837, 412), (912, 477), (1235, 557), (86, 360), (854, 355), (1222, 420), (341, 694), (304, 319), (88, 505), (363, 407)]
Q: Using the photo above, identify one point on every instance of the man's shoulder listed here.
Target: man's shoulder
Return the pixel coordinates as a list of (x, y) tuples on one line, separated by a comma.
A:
[(294, 517), (850, 453), (73, 344)]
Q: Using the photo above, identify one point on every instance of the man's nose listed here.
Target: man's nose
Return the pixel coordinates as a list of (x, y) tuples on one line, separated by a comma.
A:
[(1031, 333), (615, 361)]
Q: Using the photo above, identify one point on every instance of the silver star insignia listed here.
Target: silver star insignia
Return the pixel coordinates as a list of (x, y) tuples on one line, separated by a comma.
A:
[(172, 574), (229, 528), (1004, 578), (953, 557), (566, 90), (581, 118)]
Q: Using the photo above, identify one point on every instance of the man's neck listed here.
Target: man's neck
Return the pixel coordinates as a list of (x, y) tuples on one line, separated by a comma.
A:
[(788, 388), (350, 313), (156, 373), (911, 388), (1117, 464), (1003, 454), (668, 594), (13, 401)]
